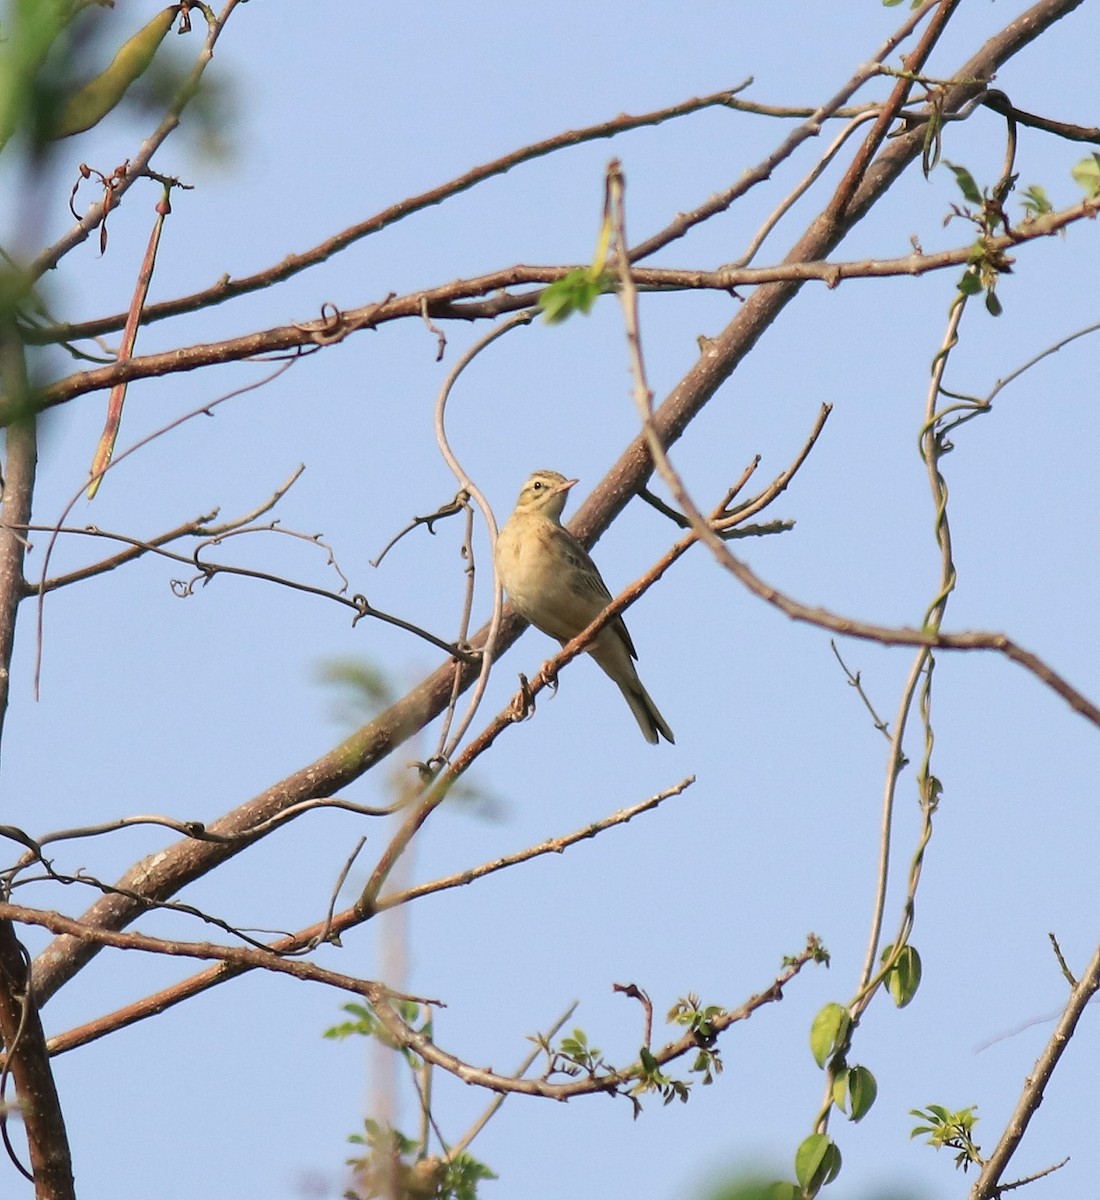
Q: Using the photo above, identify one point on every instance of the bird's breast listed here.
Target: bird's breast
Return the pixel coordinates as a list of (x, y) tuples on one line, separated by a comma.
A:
[(531, 574)]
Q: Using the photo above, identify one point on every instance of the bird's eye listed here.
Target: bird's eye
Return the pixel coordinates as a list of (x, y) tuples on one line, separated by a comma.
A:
[(537, 485)]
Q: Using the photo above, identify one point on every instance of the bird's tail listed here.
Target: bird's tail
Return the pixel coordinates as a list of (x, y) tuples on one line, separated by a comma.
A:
[(652, 724)]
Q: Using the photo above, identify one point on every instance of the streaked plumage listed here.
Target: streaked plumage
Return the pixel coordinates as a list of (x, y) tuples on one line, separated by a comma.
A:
[(554, 584)]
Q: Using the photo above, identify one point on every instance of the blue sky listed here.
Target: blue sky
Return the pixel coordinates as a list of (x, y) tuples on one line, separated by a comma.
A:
[(188, 707)]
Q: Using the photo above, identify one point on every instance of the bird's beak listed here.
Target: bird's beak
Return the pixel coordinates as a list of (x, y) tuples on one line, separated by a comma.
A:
[(565, 486)]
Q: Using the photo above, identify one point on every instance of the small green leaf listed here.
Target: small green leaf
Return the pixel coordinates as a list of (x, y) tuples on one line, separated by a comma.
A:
[(992, 304), (576, 292), (816, 1162), (970, 190), (970, 284), (950, 1130), (828, 1032), (904, 976), (862, 1091), (1087, 174), (1035, 201), (854, 1091)]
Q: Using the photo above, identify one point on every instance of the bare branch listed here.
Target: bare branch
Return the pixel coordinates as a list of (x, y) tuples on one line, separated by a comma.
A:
[(199, 527), (226, 288), (205, 410), (457, 301), (988, 1185), (450, 509), (550, 846), (333, 927)]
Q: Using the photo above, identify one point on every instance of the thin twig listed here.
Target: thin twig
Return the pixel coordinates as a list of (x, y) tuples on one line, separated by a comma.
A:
[(468, 486), (157, 433), (138, 166), (855, 681), (1062, 961), (463, 1144), (341, 923), (450, 509)]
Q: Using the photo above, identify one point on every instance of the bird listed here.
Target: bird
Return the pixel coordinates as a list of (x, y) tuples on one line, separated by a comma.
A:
[(552, 582)]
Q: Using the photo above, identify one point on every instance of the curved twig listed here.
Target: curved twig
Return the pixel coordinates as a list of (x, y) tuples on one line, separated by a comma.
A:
[(471, 488)]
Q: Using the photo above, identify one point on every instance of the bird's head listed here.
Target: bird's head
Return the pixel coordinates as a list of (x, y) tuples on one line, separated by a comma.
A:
[(545, 493)]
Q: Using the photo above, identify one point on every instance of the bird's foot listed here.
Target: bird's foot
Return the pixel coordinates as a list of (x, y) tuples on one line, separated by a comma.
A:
[(523, 702)]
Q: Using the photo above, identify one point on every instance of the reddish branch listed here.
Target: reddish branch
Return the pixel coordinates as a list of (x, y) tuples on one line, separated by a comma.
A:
[(239, 958), (458, 301)]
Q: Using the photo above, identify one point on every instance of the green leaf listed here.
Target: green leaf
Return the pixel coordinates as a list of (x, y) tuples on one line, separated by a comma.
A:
[(970, 284), (904, 976), (862, 1091), (462, 1177), (576, 292), (1035, 201), (1087, 174), (854, 1091), (816, 1162), (950, 1130), (970, 190), (992, 304), (828, 1032)]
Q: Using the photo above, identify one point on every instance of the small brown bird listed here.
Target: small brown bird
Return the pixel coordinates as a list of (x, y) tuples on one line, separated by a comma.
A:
[(554, 584)]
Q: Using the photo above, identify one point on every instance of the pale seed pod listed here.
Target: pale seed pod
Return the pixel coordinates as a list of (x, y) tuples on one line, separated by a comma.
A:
[(94, 100)]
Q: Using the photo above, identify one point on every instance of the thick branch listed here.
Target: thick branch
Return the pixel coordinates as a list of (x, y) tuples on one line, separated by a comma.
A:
[(23, 1037), (20, 1026)]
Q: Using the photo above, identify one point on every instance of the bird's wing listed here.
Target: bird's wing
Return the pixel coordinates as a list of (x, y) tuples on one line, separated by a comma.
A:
[(584, 574)]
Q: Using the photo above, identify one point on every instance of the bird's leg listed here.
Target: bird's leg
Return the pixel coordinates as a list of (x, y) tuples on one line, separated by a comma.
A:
[(523, 702), (550, 674)]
